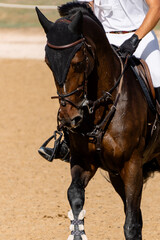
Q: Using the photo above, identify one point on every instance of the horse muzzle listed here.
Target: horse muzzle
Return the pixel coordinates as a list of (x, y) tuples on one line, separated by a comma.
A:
[(70, 120)]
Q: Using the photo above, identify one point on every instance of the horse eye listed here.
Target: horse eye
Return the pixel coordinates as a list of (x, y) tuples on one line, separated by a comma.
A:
[(79, 66)]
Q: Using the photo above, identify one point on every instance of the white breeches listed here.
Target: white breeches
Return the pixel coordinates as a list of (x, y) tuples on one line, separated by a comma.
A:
[(148, 50)]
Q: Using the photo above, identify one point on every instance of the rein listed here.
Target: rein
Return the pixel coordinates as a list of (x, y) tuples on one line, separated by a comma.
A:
[(63, 100), (97, 134)]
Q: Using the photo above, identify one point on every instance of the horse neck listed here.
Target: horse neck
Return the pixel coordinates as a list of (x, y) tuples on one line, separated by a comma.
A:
[(107, 66)]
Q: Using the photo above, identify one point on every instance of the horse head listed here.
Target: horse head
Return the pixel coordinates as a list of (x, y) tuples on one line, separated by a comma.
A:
[(71, 60)]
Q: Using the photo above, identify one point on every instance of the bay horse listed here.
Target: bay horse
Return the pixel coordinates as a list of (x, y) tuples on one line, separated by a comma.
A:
[(103, 108)]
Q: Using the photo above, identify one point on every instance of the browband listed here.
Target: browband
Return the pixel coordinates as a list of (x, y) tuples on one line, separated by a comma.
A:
[(65, 46)]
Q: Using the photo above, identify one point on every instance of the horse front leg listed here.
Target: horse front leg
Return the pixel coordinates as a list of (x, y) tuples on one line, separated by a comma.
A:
[(133, 183), (76, 197)]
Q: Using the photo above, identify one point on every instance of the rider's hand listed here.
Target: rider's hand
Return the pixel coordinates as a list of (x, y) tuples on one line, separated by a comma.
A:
[(129, 46)]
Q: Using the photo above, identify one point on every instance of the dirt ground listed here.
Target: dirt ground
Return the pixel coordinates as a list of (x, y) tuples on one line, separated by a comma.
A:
[(33, 199)]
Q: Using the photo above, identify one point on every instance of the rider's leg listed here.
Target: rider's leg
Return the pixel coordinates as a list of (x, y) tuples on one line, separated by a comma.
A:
[(157, 90), (148, 50)]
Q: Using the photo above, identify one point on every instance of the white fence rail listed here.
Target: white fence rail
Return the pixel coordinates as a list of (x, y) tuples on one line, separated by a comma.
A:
[(7, 5)]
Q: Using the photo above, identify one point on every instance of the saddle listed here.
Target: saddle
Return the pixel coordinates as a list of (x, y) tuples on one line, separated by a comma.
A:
[(142, 73)]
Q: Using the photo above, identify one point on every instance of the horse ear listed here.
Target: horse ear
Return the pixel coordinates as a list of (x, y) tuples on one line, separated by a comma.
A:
[(76, 24), (46, 24)]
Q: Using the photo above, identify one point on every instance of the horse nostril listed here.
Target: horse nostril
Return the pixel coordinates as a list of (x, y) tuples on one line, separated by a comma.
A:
[(76, 120)]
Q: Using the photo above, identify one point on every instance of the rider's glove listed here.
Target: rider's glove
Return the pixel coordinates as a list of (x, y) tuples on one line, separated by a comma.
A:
[(129, 46)]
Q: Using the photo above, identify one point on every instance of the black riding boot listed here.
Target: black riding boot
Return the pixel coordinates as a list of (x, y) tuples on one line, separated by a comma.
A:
[(157, 91), (59, 151)]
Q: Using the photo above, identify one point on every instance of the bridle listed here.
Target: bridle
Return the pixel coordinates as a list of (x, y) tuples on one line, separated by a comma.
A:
[(98, 130), (107, 95), (67, 45), (63, 98)]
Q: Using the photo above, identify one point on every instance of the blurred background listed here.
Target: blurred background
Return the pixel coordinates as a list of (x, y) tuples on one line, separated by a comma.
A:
[(23, 16), (19, 26)]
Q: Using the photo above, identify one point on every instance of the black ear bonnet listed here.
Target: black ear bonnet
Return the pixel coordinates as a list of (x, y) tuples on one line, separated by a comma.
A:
[(59, 59)]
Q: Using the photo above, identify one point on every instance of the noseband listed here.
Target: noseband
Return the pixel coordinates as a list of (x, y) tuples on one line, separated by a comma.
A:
[(63, 97)]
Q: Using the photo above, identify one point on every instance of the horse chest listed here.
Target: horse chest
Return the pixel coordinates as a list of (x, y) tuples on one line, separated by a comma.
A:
[(113, 153)]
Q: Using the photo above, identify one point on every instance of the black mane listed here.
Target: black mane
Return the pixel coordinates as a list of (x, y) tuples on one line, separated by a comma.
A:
[(71, 8)]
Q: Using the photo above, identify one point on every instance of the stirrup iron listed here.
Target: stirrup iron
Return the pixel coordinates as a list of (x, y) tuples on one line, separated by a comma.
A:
[(50, 153)]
